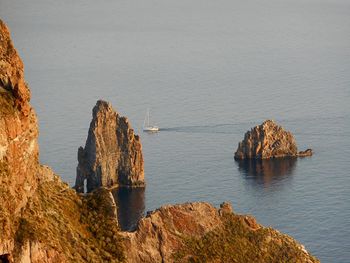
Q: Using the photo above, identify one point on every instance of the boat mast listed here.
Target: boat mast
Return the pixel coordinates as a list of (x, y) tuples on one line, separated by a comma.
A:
[(145, 121), (148, 117)]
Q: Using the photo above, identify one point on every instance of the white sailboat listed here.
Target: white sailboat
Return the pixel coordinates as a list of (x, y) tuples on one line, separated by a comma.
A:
[(147, 127)]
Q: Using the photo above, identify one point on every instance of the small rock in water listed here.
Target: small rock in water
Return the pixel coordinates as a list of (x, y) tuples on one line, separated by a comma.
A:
[(305, 153), (268, 140)]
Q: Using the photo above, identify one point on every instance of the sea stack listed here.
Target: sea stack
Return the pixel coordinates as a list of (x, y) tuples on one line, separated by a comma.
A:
[(113, 153), (268, 140)]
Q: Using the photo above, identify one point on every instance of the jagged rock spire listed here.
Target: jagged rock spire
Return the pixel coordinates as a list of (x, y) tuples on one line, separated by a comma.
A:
[(113, 153)]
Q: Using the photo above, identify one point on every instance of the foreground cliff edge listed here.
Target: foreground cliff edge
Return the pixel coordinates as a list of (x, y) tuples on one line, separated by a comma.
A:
[(43, 220)]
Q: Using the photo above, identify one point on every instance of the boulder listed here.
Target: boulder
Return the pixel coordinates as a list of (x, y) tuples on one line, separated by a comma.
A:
[(307, 152)]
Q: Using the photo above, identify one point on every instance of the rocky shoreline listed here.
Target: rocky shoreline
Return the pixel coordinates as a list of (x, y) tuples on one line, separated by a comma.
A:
[(42, 219)]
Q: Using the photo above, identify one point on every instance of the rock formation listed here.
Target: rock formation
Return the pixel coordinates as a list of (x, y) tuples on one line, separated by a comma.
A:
[(307, 152), (198, 232), (43, 220), (18, 139), (268, 140), (112, 154)]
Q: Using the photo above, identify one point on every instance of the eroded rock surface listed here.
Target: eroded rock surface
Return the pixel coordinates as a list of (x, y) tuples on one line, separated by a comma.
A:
[(19, 152), (198, 232), (41, 218), (112, 154), (268, 140)]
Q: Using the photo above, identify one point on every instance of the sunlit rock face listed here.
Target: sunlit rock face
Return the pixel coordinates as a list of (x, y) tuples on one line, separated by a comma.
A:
[(268, 140), (112, 155), (19, 151), (199, 232), (41, 218)]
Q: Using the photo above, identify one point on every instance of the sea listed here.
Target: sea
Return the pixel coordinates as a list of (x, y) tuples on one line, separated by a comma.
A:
[(209, 71)]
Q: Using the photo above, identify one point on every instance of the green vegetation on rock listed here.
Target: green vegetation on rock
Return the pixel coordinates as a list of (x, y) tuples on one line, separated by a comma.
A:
[(241, 239), (80, 227)]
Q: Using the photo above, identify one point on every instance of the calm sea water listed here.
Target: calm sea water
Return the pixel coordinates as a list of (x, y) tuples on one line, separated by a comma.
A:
[(209, 70)]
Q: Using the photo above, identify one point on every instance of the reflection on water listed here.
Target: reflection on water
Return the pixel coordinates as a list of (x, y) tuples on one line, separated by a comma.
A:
[(131, 206), (266, 172)]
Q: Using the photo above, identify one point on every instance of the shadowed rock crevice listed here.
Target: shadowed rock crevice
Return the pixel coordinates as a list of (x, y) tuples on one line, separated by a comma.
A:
[(112, 155), (131, 204), (5, 258)]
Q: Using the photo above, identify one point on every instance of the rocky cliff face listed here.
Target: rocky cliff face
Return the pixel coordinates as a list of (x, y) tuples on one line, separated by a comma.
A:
[(198, 232), (112, 153), (58, 225), (41, 218), (268, 140), (18, 139)]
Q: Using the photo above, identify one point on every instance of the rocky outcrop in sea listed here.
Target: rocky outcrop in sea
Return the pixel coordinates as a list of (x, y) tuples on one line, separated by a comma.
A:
[(112, 155), (268, 140)]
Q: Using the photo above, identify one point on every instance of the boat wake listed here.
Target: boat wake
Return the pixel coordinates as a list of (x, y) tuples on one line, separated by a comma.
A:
[(225, 128)]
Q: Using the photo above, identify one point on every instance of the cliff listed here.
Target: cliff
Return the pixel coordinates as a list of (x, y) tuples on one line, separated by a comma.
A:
[(268, 140), (113, 153), (43, 220), (19, 150), (198, 232)]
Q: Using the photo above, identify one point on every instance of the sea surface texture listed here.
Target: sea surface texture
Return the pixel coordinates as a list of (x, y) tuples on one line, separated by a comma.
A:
[(208, 71)]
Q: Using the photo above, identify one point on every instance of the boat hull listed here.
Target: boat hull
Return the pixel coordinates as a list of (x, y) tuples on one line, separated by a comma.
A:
[(151, 129)]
